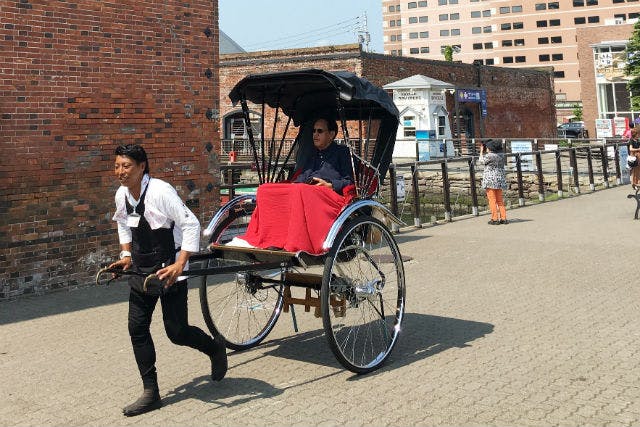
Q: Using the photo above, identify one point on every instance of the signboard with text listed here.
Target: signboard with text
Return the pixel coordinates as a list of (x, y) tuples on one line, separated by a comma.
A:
[(474, 95)]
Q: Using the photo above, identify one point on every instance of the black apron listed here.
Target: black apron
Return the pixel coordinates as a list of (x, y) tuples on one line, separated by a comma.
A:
[(151, 250)]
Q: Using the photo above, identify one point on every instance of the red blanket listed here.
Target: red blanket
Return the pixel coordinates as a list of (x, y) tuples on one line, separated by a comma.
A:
[(294, 217)]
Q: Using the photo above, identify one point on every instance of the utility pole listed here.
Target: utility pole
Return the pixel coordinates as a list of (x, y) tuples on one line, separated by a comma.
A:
[(364, 38)]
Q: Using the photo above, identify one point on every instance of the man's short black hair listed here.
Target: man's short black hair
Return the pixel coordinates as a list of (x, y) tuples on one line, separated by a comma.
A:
[(332, 126), (135, 152)]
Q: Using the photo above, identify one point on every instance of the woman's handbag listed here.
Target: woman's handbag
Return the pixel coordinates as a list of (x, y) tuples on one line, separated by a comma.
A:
[(632, 161)]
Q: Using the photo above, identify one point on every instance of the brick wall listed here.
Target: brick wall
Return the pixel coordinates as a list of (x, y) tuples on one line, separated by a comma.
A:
[(520, 102), (78, 78)]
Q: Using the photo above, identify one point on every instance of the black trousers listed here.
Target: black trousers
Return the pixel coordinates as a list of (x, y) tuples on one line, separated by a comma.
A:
[(175, 317)]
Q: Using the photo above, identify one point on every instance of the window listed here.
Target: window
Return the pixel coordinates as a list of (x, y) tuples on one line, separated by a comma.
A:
[(488, 45), (618, 1), (393, 37), (489, 61), (578, 3), (593, 19), (442, 2), (556, 39), (412, 5), (414, 51), (413, 35), (541, 24), (554, 22), (392, 8), (424, 34), (423, 19), (409, 131), (592, 2), (516, 9), (504, 10), (507, 43), (444, 33), (487, 29), (521, 59), (443, 17), (519, 42), (398, 23), (422, 4), (579, 20), (557, 57), (620, 16), (392, 23), (424, 49), (544, 58), (476, 30), (518, 25), (399, 38), (554, 5), (454, 16), (634, 15), (486, 13), (507, 59), (455, 31), (477, 46), (541, 6), (413, 20), (558, 74), (475, 14), (543, 40), (505, 27)]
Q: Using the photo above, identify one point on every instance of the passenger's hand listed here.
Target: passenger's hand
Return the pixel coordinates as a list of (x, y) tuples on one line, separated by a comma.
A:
[(322, 182), (170, 273)]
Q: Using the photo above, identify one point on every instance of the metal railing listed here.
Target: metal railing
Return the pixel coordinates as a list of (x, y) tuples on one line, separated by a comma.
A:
[(448, 187)]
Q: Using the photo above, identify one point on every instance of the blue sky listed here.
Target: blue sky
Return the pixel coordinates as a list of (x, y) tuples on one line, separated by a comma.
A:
[(282, 24)]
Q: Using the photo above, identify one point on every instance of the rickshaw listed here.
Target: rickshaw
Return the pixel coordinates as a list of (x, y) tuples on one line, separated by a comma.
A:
[(357, 284)]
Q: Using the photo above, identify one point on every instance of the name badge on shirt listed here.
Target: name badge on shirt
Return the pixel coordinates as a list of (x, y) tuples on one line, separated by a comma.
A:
[(133, 220)]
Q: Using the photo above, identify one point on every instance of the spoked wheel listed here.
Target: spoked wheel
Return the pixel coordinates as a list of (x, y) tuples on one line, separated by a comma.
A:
[(242, 307), (363, 295)]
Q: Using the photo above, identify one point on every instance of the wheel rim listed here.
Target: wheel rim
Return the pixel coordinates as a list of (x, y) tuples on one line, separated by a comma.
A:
[(241, 307), (365, 296)]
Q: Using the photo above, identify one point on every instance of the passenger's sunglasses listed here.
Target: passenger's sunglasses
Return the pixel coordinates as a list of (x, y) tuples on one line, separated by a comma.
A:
[(320, 131)]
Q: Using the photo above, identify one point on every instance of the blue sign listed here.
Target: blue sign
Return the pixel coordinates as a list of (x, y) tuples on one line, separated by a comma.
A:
[(474, 95)]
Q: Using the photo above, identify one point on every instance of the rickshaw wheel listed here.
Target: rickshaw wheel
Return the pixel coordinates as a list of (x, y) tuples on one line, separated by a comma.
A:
[(242, 307), (239, 306), (363, 295)]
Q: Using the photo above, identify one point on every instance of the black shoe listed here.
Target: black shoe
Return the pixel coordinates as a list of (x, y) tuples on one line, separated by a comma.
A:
[(493, 222), (218, 359), (149, 401), (504, 221)]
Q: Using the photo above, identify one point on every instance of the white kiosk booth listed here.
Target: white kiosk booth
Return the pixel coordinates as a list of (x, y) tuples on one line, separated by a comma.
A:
[(424, 119)]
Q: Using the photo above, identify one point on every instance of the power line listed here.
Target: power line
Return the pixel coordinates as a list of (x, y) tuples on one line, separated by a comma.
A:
[(334, 29)]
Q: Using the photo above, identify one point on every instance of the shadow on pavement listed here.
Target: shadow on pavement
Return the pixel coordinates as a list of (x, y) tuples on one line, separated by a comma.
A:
[(229, 392), (423, 336), (67, 301)]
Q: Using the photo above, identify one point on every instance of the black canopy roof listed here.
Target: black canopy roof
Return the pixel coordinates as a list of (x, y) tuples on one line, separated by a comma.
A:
[(303, 93)]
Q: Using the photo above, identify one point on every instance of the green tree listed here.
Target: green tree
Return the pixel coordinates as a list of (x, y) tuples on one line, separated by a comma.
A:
[(577, 112), (632, 68), (448, 53)]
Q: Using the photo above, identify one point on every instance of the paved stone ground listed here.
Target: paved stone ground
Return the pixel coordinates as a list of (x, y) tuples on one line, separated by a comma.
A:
[(532, 323)]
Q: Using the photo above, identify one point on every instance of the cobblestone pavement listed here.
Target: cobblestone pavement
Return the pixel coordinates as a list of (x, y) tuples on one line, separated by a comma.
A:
[(532, 323)]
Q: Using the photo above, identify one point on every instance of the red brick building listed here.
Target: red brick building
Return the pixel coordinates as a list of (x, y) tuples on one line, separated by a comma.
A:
[(520, 102), (76, 80)]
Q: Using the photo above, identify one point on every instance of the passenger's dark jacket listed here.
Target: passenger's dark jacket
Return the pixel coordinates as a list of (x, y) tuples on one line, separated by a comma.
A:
[(332, 164)]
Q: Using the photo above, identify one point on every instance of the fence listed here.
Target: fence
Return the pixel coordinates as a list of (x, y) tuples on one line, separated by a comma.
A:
[(450, 186)]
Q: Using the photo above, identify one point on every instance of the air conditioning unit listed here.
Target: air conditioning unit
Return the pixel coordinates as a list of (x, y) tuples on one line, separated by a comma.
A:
[(618, 21)]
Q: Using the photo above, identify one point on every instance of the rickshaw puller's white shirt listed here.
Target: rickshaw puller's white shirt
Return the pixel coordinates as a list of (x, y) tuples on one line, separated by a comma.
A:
[(163, 206)]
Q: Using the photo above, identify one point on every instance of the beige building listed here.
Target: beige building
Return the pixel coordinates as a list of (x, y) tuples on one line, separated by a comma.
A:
[(506, 33)]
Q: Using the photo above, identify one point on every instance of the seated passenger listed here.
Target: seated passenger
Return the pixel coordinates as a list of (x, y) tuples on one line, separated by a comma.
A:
[(297, 217)]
